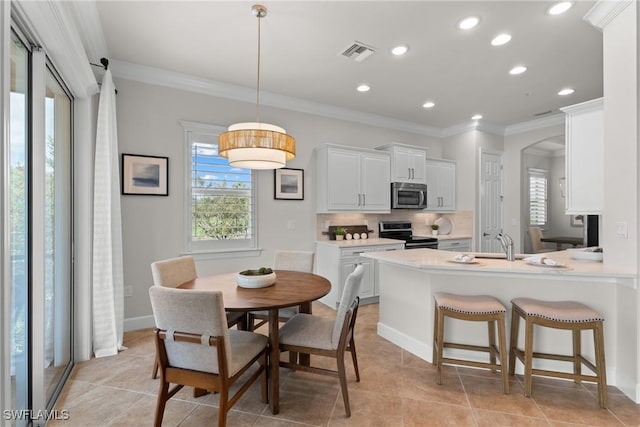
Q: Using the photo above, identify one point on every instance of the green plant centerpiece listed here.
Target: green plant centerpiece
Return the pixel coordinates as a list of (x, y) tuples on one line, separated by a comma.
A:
[(340, 232), (259, 272), (258, 278)]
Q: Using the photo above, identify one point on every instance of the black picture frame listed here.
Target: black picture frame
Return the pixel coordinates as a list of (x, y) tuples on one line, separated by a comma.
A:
[(288, 184), (143, 175)]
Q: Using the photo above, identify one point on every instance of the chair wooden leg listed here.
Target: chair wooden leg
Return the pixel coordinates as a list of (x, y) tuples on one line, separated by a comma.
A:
[(199, 392), (342, 374), (577, 352), (528, 356), (513, 340), (439, 345), (264, 389), (492, 343), (293, 357), (354, 358), (223, 405), (502, 337), (154, 373), (161, 403), (601, 367)]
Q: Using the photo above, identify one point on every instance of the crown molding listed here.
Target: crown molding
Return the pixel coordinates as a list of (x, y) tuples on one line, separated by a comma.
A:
[(186, 82), (156, 76), (555, 120), (87, 18), (603, 12)]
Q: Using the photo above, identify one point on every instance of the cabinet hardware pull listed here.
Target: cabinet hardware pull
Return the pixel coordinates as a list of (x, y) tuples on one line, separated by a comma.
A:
[(364, 200)]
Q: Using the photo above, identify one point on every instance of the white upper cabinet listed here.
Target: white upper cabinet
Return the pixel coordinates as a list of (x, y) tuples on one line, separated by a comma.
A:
[(584, 157), (441, 185), (407, 162), (352, 180)]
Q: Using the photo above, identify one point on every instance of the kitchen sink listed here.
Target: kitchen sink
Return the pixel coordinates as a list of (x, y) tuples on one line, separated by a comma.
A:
[(496, 255)]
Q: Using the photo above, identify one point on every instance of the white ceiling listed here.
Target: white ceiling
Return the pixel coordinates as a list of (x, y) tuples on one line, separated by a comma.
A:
[(302, 40)]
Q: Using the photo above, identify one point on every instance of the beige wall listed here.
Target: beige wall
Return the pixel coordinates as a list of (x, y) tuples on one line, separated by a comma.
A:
[(148, 123)]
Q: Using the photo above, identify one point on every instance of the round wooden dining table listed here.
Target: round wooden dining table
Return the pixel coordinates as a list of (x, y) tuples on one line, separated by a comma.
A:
[(291, 288)]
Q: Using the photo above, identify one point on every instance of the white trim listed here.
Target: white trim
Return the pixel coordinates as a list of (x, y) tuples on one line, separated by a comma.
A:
[(136, 323), (37, 253), (156, 76), (524, 127), (87, 18), (55, 30), (5, 251), (406, 342), (603, 12)]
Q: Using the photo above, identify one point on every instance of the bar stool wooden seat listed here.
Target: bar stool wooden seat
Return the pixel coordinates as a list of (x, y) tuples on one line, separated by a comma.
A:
[(567, 315), (478, 308)]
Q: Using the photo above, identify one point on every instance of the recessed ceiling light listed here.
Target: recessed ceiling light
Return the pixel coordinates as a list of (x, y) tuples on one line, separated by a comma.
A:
[(566, 91), (400, 50), (518, 69), (559, 8), (468, 23), (429, 104), (363, 88), (501, 39), (476, 117)]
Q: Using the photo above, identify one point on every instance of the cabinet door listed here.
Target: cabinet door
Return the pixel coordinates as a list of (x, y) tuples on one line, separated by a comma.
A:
[(584, 158), (455, 245), (402, 162), (447, 186), (418, 166), (343, 178), (367, 288), (432, 173), (375, 182)]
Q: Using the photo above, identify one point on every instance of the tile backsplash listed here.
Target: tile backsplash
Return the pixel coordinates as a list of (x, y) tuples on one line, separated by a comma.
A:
[(461, 221)]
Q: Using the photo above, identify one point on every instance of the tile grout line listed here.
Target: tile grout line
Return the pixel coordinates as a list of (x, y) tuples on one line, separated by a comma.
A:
[(466, 396)]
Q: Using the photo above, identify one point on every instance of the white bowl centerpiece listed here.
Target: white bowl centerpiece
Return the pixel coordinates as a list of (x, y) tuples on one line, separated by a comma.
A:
[(259, 278)]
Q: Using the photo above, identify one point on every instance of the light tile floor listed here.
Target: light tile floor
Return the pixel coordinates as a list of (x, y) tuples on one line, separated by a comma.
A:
[(396, 389)]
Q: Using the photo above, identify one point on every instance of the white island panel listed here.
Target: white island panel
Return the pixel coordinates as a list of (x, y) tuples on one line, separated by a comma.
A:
[(408, 280)]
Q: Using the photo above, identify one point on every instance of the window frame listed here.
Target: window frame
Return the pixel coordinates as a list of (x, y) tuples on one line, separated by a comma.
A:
[(540, 174), (211, 248)]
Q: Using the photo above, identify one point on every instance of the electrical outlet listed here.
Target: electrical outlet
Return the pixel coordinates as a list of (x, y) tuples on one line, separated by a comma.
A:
[(622, 230), (128, 291)]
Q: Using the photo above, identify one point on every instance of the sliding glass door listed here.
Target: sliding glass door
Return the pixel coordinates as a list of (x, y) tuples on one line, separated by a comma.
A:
[(40, 233)]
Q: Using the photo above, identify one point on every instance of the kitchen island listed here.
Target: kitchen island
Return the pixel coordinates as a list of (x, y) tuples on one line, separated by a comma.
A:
[(407, 280)]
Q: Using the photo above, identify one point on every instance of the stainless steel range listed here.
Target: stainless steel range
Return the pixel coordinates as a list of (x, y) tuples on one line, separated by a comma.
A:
[(402, 230)]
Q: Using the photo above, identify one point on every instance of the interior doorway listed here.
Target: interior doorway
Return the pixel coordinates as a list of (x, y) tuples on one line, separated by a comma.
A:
[(490, 200)]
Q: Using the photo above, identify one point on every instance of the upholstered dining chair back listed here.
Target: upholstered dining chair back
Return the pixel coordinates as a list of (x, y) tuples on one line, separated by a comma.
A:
[(349, 294), (195, 312), (173, 272), (294, 260), (535, 234)]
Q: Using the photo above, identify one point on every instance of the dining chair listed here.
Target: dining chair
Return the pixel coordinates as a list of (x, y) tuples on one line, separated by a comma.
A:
[(535, 234), (284, 260), (308, 334), (195, 347), (173, 272)]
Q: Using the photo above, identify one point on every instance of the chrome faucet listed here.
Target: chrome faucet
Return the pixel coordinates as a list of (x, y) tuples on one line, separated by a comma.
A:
[(507, 245)]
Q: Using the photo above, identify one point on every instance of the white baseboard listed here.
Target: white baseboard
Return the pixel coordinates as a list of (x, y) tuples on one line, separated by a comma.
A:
[(142, 322), (404, 341)]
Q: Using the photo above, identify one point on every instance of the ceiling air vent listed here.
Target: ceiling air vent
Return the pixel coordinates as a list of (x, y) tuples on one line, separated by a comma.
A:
[(358, 51), (544, 113)]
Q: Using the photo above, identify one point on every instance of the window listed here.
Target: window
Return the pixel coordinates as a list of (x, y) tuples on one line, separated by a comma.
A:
[(537, 197), (221, 200)]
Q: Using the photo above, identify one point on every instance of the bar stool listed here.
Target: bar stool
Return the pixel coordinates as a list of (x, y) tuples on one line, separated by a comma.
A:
[(478, 308), (567, 315)]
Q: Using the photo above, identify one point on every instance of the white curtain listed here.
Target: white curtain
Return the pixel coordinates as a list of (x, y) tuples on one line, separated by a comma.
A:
[(108, 299)]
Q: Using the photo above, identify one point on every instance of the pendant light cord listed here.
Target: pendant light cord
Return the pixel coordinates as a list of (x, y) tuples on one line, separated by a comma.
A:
[(258, 79)]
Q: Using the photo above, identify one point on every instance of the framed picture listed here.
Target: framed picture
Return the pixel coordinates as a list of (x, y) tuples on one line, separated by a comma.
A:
[(288, 184), (577, 220), (145, 175)]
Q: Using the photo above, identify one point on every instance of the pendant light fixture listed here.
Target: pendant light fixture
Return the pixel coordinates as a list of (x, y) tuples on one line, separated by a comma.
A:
[(256, 145)]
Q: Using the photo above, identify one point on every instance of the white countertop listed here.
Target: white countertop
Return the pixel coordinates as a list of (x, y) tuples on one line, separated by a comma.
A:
[(431, 259), (360, 242)]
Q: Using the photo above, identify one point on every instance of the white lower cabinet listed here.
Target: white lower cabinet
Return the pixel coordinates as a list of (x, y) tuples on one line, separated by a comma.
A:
[(454, 245), (336, 263)]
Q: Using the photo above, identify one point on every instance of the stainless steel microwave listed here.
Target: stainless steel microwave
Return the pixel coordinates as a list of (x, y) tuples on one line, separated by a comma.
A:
[(407, 195)]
